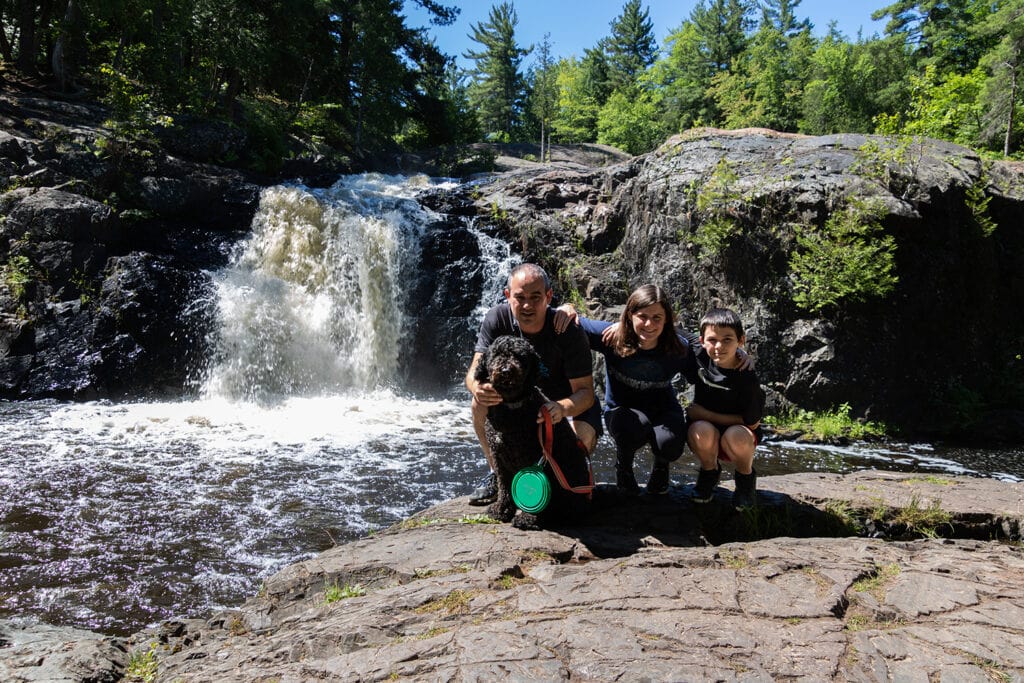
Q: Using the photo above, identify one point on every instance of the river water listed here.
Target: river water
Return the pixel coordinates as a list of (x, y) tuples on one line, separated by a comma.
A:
[(114, 516)]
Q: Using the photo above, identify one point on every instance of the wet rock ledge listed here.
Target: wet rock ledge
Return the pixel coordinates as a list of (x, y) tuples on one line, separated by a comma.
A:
[(639, 593)]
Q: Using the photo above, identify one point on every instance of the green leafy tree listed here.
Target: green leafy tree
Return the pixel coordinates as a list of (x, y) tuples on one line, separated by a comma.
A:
[(544, 92), (892, 63), (463, 123), (498, 87), (629, 121), (1004, 64), (765, 87), (576, 109), (705, 45), (631, 48), (846, 84), (831, 98), (948, 109)]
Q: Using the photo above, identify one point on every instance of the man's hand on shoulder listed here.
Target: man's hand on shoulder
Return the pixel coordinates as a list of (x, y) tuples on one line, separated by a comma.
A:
[(608, 336)]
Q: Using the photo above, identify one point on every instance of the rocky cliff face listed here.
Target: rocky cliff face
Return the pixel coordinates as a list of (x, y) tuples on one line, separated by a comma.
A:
[(716, 217), (104, 255)]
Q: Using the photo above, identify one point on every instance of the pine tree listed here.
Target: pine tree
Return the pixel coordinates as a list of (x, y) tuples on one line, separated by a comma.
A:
[(498, 88), (939, 31), (706, 44), (631, 47), (765, 87), (1005, 64)]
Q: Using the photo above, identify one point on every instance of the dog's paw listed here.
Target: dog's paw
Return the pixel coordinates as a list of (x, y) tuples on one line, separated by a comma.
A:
[(502, 513), (526, 521)]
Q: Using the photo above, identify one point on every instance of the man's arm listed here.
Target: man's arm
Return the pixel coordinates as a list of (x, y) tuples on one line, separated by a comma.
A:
[(581, 398)]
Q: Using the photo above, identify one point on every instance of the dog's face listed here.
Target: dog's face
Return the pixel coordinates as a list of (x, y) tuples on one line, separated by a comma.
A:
[(511, 365)]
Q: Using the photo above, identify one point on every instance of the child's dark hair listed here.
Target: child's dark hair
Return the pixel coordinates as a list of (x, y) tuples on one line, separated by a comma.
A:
[(722, 317)]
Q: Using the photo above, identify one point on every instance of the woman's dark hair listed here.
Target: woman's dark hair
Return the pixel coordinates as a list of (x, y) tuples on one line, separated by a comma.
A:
[(626, 342)]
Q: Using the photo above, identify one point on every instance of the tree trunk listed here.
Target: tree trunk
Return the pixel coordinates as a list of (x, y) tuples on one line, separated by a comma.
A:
[(305, 83), (26, 63), (543, 157), (6, 51), (63, 57), (1010, 116), (234, 78)]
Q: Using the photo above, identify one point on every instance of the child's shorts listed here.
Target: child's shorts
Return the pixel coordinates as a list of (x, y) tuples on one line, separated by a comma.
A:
[(722, 455)]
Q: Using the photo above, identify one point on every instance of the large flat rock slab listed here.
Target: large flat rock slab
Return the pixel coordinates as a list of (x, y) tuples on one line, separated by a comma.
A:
[(636, 594), (639, 594), (802, 609), (961, 496)]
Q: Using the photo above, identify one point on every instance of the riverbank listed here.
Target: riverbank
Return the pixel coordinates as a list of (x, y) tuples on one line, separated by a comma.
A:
[(639, 591)]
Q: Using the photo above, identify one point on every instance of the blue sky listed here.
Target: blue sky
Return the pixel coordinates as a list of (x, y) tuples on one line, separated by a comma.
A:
[(575, 25)]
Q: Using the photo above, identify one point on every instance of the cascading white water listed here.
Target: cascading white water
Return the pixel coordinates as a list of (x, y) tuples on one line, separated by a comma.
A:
[(313, 301), (497, 259)]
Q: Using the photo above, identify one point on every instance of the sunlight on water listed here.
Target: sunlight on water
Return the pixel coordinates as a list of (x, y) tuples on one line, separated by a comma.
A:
[(132, 513), (220, 429)]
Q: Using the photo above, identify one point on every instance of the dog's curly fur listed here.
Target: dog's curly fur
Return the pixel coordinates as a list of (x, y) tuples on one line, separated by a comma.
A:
[(512, 367)]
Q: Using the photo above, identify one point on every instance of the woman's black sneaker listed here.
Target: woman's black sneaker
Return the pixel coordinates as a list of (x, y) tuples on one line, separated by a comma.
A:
[(625, 480), (658, 483), (707, 481), (487, 492)]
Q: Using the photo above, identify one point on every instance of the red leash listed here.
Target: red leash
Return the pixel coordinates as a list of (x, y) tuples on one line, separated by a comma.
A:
[(546, 435)]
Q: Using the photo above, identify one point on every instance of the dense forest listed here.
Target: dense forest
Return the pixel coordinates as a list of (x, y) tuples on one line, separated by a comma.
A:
[(353, 75)]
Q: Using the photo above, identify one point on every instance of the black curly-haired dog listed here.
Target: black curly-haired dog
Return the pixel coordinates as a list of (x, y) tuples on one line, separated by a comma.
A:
[(513, 368)]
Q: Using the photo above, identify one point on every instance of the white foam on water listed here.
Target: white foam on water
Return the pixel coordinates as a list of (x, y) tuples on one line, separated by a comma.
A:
[(297, 427)]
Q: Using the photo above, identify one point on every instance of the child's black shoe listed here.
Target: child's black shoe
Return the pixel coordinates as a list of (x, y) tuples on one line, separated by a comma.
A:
[(745, 495)]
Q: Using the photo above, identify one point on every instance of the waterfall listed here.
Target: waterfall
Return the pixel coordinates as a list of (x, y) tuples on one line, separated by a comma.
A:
[(497, 261), (313, 300)]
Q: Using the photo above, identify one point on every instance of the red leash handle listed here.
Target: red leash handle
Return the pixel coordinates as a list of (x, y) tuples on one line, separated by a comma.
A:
[(546, 435)]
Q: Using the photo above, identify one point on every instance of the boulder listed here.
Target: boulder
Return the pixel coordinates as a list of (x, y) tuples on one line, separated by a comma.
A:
[(914, 358), (32, 652)]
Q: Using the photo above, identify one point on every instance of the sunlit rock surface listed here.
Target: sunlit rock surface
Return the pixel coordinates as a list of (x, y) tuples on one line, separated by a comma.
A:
[(637, 593)]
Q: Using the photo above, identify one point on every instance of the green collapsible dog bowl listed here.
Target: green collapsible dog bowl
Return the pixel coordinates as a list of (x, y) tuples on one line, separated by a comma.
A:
[(531, 489)]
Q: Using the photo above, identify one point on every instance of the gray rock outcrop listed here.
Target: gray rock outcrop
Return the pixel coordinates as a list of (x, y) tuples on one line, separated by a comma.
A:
[(716, 218), (638, 594), (104, 256)]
